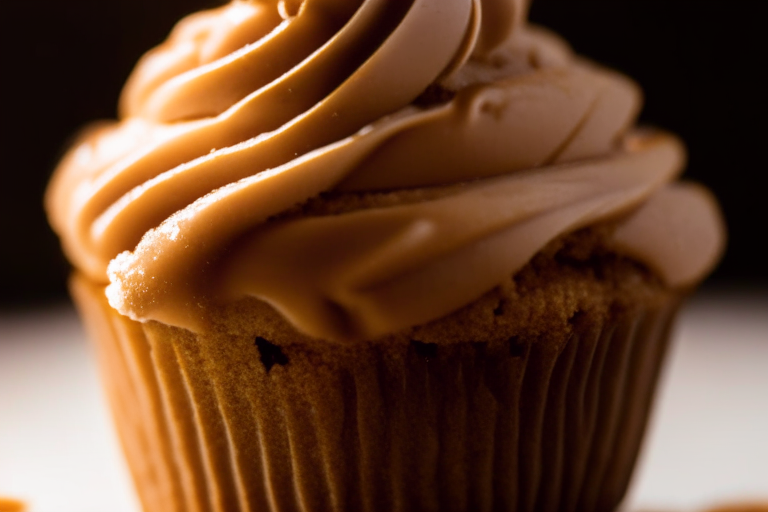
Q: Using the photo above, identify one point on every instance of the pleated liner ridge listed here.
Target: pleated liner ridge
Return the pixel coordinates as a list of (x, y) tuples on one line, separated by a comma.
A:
[(248, 426)]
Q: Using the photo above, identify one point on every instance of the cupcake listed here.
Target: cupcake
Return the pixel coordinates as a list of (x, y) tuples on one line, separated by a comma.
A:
[(379, 256)]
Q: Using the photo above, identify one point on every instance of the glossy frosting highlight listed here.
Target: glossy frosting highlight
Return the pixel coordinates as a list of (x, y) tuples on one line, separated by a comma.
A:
[(479, 138)]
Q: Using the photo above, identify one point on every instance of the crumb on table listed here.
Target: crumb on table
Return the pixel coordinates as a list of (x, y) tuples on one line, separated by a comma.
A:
[(9, 505), (742, 507)]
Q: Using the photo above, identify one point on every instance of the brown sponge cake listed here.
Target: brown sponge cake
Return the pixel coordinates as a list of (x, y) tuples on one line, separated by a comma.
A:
[(533, 397)]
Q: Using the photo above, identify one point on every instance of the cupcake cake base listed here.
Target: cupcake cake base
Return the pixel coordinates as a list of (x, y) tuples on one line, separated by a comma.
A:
[(533, 398)]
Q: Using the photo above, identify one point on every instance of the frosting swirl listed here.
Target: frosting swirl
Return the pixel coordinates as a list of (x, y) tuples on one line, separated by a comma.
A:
[(474, 138)]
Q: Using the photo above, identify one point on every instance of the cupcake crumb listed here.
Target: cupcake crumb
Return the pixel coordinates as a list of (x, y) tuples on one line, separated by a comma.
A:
[(10, 505), (270, 354), (742, 507)]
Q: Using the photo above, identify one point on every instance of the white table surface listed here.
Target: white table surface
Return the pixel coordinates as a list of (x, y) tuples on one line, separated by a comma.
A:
[(708, 441)]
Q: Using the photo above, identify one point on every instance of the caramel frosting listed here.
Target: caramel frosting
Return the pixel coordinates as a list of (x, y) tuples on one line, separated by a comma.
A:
[(459, 138)]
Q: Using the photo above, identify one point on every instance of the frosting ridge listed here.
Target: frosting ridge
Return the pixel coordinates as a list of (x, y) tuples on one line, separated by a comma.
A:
[(250, 109)]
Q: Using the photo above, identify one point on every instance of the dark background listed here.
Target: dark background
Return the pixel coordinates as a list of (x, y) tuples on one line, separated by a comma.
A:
[(700, 62)]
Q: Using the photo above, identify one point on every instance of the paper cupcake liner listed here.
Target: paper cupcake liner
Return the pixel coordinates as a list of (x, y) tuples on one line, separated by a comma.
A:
[(543, 425)]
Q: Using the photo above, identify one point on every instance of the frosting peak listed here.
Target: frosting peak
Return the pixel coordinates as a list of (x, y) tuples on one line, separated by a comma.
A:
[(475, 138)]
